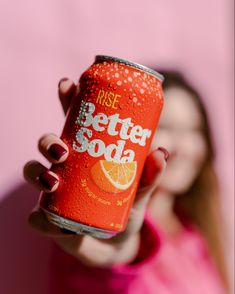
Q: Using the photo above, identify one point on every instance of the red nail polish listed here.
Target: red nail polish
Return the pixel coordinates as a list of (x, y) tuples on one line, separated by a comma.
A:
[(165, 152), (56, 151), (47, 180), (62, 80)]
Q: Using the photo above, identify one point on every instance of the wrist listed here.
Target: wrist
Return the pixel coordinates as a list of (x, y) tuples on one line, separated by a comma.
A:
[(127, 251)]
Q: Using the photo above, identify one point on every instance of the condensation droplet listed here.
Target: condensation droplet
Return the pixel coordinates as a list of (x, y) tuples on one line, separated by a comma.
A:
[(135, 99), (144, 84)]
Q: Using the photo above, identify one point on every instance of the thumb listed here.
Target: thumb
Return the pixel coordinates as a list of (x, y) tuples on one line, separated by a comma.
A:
[(154, 167)]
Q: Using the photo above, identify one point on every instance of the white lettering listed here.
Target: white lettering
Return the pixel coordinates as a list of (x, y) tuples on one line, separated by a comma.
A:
[(136, 132), (100, 119), (96, 148), (82, 140), (126, 124)]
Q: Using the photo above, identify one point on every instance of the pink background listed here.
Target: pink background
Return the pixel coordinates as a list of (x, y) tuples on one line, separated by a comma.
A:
[(42, 41)]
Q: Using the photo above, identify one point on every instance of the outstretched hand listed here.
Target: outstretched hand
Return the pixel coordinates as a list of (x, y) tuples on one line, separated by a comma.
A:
[(92, 251)]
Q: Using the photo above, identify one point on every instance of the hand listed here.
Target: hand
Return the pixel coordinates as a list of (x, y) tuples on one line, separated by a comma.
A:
[(92, 251)]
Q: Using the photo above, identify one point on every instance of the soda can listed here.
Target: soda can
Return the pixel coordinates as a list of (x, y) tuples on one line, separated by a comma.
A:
[(108, 130)]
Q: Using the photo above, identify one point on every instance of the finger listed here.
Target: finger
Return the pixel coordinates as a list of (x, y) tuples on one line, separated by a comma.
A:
[(53, 148), (66, 89), (38, 221), (40, 177)]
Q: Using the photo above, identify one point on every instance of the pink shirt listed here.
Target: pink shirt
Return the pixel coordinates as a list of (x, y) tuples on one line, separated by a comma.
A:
[(182, 267)]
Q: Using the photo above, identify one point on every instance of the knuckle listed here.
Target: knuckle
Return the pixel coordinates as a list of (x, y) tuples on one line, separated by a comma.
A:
[(136, 213), (45, 139)]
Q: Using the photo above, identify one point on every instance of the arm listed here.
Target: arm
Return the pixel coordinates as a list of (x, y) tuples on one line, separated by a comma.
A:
[(125, 248), (69, 275)]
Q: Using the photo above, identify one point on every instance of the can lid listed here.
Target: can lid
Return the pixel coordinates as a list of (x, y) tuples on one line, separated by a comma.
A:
[(130, 63)]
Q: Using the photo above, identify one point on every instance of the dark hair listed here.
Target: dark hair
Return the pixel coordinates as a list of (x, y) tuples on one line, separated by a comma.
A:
[(200, 203)]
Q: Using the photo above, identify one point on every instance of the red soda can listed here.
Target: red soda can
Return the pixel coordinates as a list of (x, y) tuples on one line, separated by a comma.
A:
[(108, 130)]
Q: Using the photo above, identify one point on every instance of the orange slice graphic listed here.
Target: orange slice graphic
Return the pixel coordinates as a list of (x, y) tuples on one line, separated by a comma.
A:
[(112, 176)]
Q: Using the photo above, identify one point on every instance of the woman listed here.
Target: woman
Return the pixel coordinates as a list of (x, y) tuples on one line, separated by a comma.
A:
[(173, 248)]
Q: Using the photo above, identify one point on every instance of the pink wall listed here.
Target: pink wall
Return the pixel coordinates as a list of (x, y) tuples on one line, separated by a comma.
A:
[(42, 41)]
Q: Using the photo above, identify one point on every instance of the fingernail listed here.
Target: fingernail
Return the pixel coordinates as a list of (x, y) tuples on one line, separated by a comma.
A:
[(56, 151), (47, 180), (61, 81), (165, 152), (68, 232)]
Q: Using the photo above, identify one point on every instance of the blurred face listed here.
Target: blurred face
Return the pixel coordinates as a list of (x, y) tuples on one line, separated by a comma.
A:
[(179, 131)]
